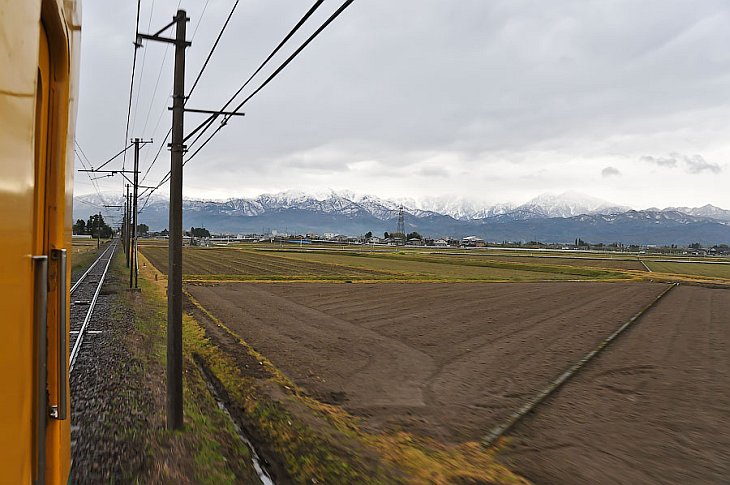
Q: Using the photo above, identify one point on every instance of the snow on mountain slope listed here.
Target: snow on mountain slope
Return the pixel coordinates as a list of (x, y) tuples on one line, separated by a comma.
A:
[(353, 205)]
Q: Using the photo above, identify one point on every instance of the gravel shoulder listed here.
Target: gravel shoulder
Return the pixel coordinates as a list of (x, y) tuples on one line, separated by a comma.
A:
[(110, 404), (118, 401)]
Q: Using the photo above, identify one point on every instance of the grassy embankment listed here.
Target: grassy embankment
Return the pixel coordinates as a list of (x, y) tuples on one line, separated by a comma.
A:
[(208, 450), (308, 440)]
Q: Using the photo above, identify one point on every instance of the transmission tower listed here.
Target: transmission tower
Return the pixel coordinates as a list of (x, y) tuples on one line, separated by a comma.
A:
[(401, 229)]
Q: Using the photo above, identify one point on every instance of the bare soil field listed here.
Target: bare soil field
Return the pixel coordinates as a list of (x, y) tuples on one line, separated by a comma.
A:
[(228, 264), (443, 360), (653, 408), (232, 262)]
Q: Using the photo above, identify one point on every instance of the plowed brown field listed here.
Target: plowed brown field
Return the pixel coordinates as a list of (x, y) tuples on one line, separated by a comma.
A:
[(654, 408), (444, 360)]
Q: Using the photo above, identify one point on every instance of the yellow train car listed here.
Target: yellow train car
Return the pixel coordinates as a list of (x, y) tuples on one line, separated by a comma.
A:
[(39, 45)]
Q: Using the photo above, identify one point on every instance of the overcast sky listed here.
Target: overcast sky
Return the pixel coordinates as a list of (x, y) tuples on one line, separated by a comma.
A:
[(495, 100)]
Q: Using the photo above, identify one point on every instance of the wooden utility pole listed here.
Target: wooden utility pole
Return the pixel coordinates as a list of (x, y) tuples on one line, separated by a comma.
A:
[(98, 231)]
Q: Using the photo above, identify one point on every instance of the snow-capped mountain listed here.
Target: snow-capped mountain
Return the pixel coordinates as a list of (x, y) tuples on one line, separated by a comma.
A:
[(568, 204), (548, 217), (708, 210)]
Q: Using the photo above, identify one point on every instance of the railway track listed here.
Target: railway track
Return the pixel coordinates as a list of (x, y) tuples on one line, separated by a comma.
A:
[(84, 294)]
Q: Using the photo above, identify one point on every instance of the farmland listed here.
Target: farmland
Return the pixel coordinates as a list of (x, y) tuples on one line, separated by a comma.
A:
[(456, 342), (83, 252), (240, 264), (409, 356), (710, 270)]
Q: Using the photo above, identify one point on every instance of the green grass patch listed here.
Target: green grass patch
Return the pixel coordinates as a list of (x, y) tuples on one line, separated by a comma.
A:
[(208, 450), (709, 270)]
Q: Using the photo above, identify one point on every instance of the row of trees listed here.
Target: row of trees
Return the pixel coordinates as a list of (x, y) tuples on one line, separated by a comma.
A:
[(398, 235), (95, 226)]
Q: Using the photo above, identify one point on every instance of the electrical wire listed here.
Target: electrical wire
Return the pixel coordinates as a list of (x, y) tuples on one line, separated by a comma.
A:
[(273, 75), (131, 84), (281, 67), (212, 50), (200, 73), (141, 70), (294, 29)]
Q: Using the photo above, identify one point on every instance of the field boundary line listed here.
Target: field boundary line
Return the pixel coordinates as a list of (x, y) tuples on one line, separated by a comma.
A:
[(498, 431), (645, 266)]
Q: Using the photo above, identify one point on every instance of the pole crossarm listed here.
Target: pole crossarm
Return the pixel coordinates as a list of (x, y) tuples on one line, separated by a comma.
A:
[(212, 112), (213, 115), (162, 39), (106, 171)]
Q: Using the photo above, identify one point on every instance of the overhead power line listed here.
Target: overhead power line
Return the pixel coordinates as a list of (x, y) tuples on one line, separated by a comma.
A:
[(281, 67), (141, 70), (200, 73), (212, 49), (273, 75), (131, 84), (288, 36), (112, 158)]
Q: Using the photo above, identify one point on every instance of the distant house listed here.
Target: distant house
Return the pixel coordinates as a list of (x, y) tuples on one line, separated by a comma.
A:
[(374, 240), (441, 243), (414, 241), (473, 241)]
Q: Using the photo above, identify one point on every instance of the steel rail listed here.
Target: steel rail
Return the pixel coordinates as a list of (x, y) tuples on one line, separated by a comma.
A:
[(80, 280), (80, 338)]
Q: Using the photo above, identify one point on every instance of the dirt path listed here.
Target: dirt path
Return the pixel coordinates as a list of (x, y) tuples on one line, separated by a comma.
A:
[(444, 360), (654, 408)]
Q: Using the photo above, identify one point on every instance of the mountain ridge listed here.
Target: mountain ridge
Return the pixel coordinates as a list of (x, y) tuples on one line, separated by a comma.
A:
[(547, 217)]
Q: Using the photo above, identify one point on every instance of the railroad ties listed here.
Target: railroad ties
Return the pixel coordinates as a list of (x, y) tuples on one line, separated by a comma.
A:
[(84, 295)]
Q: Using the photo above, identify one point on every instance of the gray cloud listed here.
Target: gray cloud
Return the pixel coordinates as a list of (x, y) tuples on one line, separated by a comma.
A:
[(693, 164), (433, 172), (610, 171), (697, 164), (566, 84), (669, 162)]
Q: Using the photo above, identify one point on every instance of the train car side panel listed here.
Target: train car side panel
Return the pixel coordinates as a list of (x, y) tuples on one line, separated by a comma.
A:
[(19, 49), (37, 115)]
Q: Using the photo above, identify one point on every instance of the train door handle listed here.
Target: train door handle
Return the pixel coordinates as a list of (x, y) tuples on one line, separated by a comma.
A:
[(40, 310), (59, 411)]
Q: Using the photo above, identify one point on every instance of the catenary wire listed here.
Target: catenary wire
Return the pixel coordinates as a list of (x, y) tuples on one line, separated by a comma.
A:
[(131, 84), (274, 74), (268, 80)]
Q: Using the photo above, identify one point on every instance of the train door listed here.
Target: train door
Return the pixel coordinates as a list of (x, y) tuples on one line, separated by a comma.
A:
[(50, 415), (40, 260)]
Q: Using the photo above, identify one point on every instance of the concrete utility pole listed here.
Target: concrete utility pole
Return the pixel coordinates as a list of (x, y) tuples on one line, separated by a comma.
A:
[(175, 238), (134, 273), (175, 241), (98, 231), (127, 226), (123, 228), (174, 282)]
